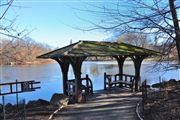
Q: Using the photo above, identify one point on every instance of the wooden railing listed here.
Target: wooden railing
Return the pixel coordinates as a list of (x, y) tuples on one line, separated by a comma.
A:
[(25, 86), (86, 87), (71, 87), (121, 80)]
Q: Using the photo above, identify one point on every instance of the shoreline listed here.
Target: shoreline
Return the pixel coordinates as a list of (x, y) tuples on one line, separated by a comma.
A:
[(49, 61), (40, 106)]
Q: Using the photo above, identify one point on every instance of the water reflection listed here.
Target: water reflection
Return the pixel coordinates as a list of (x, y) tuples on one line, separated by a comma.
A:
[(94, 70)]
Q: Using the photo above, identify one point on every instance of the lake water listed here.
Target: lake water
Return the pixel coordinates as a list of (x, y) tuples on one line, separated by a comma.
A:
[(51, 78)]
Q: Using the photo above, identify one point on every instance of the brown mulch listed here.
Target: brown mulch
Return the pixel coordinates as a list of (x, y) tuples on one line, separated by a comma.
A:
[(31, 113), (163, 104)]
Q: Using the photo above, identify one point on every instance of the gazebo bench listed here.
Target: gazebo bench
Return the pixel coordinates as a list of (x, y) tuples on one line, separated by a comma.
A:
[(119, 80)]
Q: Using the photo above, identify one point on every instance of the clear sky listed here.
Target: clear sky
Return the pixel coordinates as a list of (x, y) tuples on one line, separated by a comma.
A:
[(50, 20)]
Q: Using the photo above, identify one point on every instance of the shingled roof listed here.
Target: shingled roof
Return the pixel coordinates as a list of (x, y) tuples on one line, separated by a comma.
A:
[(98, 48)]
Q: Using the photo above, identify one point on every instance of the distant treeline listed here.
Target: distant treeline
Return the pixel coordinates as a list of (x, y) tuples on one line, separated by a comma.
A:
[(20, 52)]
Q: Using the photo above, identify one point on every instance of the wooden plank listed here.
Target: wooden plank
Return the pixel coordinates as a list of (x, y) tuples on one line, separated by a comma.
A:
[(120, 81), (124, 75), (2, 84), (15, 92)]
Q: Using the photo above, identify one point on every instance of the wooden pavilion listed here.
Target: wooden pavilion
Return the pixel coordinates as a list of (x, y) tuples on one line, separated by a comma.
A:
[(76, 53)]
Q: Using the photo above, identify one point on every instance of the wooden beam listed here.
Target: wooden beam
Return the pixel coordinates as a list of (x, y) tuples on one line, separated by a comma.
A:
[(76, 63), (64, 64)]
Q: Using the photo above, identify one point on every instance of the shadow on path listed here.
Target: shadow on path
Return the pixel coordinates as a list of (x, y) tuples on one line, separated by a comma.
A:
[(118, 104)]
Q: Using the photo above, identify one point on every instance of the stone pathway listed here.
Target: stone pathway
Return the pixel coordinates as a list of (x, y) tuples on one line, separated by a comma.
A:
[(118, 104)]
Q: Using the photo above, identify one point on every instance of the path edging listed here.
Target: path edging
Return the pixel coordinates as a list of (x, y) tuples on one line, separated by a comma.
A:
[(55, 112), (137, 110)]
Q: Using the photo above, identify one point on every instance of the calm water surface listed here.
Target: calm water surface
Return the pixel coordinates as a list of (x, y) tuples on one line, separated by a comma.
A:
[(51, 78)]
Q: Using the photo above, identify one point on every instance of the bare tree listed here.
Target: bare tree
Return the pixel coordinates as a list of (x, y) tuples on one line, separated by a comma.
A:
[(134, 39), (22, 51), (7, 26), (10, 34), (157, 18)]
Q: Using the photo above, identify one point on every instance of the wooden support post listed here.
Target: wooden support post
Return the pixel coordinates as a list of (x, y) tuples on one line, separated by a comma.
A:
[(105, 81), (76, 63), (11, 88), (17, 95), (24, 109), (126, 81), (87, 82), (65, 78), (115, 79), (31, 84), (64, 64), (137, 59), (120, 60), (4, 108)]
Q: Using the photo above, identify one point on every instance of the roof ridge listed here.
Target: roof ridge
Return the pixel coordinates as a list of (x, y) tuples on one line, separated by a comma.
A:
[(75, 46), (58, 49), (96, 41)]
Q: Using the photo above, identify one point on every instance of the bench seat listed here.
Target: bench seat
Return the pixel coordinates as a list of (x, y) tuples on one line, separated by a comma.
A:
[(119, 80)]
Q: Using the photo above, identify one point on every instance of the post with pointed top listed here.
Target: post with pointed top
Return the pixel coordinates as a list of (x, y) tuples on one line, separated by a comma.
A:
[(71, 42)]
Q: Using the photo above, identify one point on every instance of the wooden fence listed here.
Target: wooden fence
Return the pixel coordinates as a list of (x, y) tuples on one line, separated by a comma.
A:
[(8, 111), (12, 112), (86, 88)]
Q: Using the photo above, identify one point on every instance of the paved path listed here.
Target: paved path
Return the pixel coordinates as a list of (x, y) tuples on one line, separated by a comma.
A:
[(115, 105)]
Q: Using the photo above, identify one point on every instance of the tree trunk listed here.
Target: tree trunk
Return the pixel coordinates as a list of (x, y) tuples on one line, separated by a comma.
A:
[(176, 26), (177, 39)]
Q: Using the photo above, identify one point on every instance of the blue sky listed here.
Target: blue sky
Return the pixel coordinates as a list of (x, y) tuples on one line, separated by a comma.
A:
[(50, 21)]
